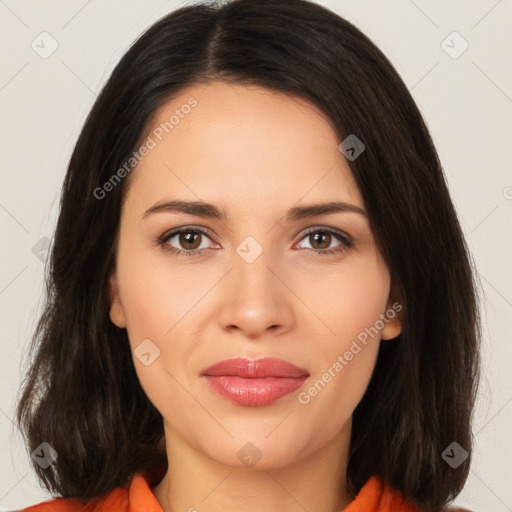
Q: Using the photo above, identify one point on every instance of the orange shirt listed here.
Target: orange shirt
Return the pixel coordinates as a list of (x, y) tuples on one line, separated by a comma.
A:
[(136, 496)]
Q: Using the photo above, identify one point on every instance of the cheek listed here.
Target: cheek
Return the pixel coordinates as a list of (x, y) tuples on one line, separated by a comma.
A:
[(163, 303), (156, 297), (344, 361), (350, 303), (352, 300), (156, 309), (145, 308)]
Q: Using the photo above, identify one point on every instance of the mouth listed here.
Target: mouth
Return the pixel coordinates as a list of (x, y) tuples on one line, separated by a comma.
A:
[(254, 382)]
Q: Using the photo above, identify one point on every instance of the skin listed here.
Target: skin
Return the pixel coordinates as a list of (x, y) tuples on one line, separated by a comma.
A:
[(254, 153)]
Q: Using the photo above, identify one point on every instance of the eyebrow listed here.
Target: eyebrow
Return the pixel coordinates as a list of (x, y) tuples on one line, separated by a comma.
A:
[(208, 210)]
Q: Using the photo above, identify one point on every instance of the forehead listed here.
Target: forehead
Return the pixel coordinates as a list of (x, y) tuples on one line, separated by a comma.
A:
[(217, 141)]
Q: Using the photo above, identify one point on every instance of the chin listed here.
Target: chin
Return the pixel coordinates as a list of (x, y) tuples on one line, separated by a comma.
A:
[(257, 451)]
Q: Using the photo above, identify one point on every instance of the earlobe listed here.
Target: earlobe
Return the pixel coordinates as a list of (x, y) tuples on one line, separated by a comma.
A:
[(394, 315), (392, 328), (116, 312)]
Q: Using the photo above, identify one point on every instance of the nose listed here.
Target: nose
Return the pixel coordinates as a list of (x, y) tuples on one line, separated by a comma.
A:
[(254, 299)]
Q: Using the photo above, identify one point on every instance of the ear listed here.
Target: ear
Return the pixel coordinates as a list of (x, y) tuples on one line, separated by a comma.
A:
[(116, 309), (394, 314)]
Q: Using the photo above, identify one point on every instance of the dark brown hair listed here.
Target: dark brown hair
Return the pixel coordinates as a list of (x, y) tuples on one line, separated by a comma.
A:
[(81, 394)]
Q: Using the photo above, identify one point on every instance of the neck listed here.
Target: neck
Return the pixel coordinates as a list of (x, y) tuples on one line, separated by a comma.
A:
[(196, 482)]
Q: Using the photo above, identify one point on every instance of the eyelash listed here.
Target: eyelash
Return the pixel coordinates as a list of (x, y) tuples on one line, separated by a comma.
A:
[(346, 242)]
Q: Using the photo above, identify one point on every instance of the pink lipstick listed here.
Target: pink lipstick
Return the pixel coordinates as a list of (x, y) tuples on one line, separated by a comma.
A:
[(254, 382)]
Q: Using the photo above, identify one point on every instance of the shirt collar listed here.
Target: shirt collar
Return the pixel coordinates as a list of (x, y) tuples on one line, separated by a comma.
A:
[(374, 496)]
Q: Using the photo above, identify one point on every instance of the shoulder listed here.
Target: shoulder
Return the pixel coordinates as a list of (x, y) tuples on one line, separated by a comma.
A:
[(58, 505), (54, 505), (116, 500)]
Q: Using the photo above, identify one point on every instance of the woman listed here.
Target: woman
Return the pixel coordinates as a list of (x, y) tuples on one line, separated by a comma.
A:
[(260, 296)]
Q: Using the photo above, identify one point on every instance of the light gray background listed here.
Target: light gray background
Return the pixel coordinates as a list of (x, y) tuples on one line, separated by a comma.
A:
[(466, 102)]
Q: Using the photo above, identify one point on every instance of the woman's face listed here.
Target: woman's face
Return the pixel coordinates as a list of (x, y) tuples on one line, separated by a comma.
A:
[(262, 278)]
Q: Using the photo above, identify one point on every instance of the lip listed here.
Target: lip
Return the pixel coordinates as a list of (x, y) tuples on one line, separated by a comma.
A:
[(254, 382)]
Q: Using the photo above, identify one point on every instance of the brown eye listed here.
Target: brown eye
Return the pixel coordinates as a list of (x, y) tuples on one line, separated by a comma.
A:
[(185, 241), (321, 242), (189, 240)]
